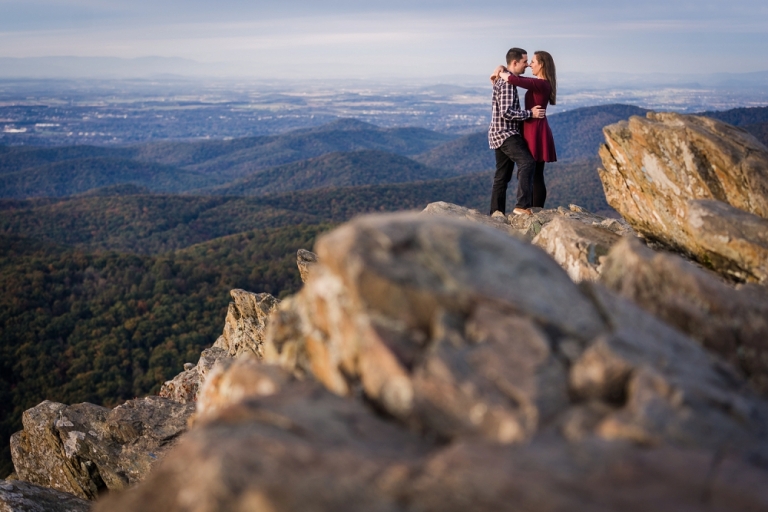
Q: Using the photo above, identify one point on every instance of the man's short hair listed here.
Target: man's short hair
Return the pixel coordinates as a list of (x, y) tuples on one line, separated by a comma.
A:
[(515, 54)]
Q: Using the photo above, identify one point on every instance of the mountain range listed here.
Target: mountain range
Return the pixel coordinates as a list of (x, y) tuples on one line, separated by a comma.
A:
[(116, 261), (343, 153)]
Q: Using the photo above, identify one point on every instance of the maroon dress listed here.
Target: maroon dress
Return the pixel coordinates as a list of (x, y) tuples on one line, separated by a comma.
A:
[(536, 131)]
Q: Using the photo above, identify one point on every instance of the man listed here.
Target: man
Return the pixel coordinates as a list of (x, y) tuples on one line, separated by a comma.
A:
[(506, 139)]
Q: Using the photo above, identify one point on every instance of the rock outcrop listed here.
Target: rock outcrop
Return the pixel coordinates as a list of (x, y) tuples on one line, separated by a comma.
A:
[(244, 325), (186, 385), (576, 239), (578, 247), (85, 449), (732, 323), (694, 184), (305, 260), (503, 386), (308, 449), (17, 496), (243, 335)]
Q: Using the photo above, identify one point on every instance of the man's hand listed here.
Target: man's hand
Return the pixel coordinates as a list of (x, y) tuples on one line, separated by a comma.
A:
[(538, 112)]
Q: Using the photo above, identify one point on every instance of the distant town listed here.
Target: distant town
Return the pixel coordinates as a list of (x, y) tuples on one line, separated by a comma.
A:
[(65, 112)]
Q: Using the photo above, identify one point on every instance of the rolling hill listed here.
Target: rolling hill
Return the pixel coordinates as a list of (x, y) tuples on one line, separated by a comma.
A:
[(184, 166), (759, 130), (240, 157), (78, 175), (154, 224), (740, 116), (141, 224), (346, 169)]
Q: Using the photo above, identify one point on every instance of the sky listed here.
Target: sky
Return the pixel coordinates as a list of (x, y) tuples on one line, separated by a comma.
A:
[(396, 38)]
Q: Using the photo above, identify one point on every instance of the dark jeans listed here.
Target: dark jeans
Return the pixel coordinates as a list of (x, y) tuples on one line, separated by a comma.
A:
[(513, 151), (539, 188)]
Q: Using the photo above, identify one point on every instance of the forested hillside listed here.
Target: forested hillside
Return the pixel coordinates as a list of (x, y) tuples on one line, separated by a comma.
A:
[(75, 176), (141, 224), (740, 116), (348, 169), (104, 327), (152, 224)]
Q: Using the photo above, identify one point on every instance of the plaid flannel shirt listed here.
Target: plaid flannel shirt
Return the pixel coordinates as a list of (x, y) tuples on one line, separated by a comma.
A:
[(506, 116)]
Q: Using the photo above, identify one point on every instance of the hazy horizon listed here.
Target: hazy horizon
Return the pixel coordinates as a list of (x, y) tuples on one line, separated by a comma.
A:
[(402, 40)]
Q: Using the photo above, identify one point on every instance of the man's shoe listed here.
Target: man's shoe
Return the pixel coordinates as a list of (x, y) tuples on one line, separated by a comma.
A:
[(522, 211)]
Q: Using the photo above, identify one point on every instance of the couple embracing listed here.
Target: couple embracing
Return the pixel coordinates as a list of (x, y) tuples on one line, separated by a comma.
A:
[(522, 136)]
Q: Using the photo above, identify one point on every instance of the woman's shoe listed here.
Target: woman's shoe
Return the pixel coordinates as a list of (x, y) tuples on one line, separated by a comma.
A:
[(522, 211)]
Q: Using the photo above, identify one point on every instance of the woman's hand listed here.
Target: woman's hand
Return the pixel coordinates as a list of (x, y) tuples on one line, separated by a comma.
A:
[(496, 73)]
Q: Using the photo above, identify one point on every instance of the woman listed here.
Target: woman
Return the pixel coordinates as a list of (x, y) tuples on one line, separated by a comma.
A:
[(539, 91)]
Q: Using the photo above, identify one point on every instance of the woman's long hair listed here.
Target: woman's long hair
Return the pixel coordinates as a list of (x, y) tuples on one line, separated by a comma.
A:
[(550, 74)]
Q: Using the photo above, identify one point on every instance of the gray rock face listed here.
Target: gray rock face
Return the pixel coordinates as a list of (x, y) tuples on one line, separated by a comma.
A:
[(17, 496), (245, 322), (732, 323), (84, 449), (186, 385), (695, 184)]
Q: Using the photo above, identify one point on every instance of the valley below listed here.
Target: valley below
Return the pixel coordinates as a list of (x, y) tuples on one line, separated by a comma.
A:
[(117, 260)]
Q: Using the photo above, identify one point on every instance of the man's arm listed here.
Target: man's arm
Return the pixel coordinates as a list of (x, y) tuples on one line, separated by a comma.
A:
[(505, 106)]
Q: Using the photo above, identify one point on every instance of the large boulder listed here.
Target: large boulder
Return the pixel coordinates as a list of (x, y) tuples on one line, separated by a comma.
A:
[(401, 304), (732, 323), (657, 170), (458, 330), (17, 496), (85, 449), (730, 240)]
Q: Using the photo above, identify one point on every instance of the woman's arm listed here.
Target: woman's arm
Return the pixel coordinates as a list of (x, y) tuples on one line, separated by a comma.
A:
[(531, 84)]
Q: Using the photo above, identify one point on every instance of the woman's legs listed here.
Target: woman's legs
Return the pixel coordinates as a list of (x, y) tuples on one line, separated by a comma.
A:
[(539, 188)]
